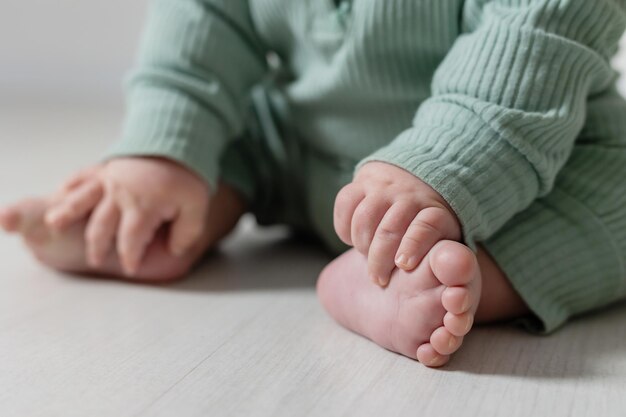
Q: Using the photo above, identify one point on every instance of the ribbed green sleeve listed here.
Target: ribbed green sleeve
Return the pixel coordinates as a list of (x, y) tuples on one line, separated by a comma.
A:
[(507, 104), (197, 63)]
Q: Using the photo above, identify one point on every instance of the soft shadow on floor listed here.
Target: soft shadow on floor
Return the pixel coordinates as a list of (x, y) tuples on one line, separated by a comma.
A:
[(291, 262), (271, 259), (590, 346), (581, 348)]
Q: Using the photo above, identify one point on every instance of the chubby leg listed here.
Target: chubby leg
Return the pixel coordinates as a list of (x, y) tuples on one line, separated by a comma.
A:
[(65, 249), (424, 313)]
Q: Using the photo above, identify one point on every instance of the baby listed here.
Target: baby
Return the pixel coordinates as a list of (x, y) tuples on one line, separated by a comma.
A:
[(471, 152)]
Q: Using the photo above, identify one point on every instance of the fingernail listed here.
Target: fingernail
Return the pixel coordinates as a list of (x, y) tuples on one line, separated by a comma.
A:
[(382, 281), (406, 262)]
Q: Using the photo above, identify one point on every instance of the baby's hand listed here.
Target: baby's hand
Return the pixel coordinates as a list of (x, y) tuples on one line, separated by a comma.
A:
[(131, 199), (393, 218), (75, 198)]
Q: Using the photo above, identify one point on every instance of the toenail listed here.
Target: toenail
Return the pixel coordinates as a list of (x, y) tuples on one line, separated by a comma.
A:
[(434, 361), (451, 342), (401, 260)]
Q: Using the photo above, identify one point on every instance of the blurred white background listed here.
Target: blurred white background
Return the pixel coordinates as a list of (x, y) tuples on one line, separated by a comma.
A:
[(67, 50), (74, 51)]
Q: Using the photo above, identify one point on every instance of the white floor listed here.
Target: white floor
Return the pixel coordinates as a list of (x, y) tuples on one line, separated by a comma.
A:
[(245, 336)]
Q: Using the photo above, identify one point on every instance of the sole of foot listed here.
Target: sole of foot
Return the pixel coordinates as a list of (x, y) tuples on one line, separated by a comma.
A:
[(422, 314)]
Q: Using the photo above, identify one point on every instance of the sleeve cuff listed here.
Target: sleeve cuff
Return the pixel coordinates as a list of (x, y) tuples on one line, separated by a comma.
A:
[(483, 178), (163, 123)]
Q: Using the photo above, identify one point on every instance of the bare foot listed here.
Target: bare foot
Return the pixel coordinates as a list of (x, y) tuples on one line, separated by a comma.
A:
[(422, 314), (64, 249)]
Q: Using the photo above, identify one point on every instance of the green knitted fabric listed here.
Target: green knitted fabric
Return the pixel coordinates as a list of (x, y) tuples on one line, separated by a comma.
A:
[(482, 99)]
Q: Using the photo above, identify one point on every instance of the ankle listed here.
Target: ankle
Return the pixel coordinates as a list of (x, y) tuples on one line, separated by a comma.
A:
[(499, 301)]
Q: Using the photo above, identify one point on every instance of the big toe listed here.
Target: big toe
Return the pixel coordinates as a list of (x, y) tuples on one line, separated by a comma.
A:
[(23, 217), (9, 219), (453, 263)]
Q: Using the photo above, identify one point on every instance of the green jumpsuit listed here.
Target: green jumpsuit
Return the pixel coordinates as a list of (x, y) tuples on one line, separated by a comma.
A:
[(508, 108)]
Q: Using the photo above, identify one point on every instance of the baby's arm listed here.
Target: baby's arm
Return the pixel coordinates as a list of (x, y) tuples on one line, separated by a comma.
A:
[(186, 100), (197, 63), (507, 106)]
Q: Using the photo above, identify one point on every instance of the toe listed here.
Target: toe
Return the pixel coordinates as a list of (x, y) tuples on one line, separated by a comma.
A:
[(457, 300), (458, 324), (444, 342), (30, 215), (427, 355), (26, 218), (453, 263), (9, 219)]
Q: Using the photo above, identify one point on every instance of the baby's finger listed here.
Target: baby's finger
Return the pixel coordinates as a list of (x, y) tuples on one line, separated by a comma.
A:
[(136, 231), (380, 258), (78, 178), (365, 221), (75, 205), (71, 183), (429, 226), (100, 231), (187, 229), (346, 202)]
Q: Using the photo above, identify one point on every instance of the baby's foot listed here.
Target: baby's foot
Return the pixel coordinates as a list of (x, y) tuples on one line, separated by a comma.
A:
[(422, 314), (61, 251), (65, 250)]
